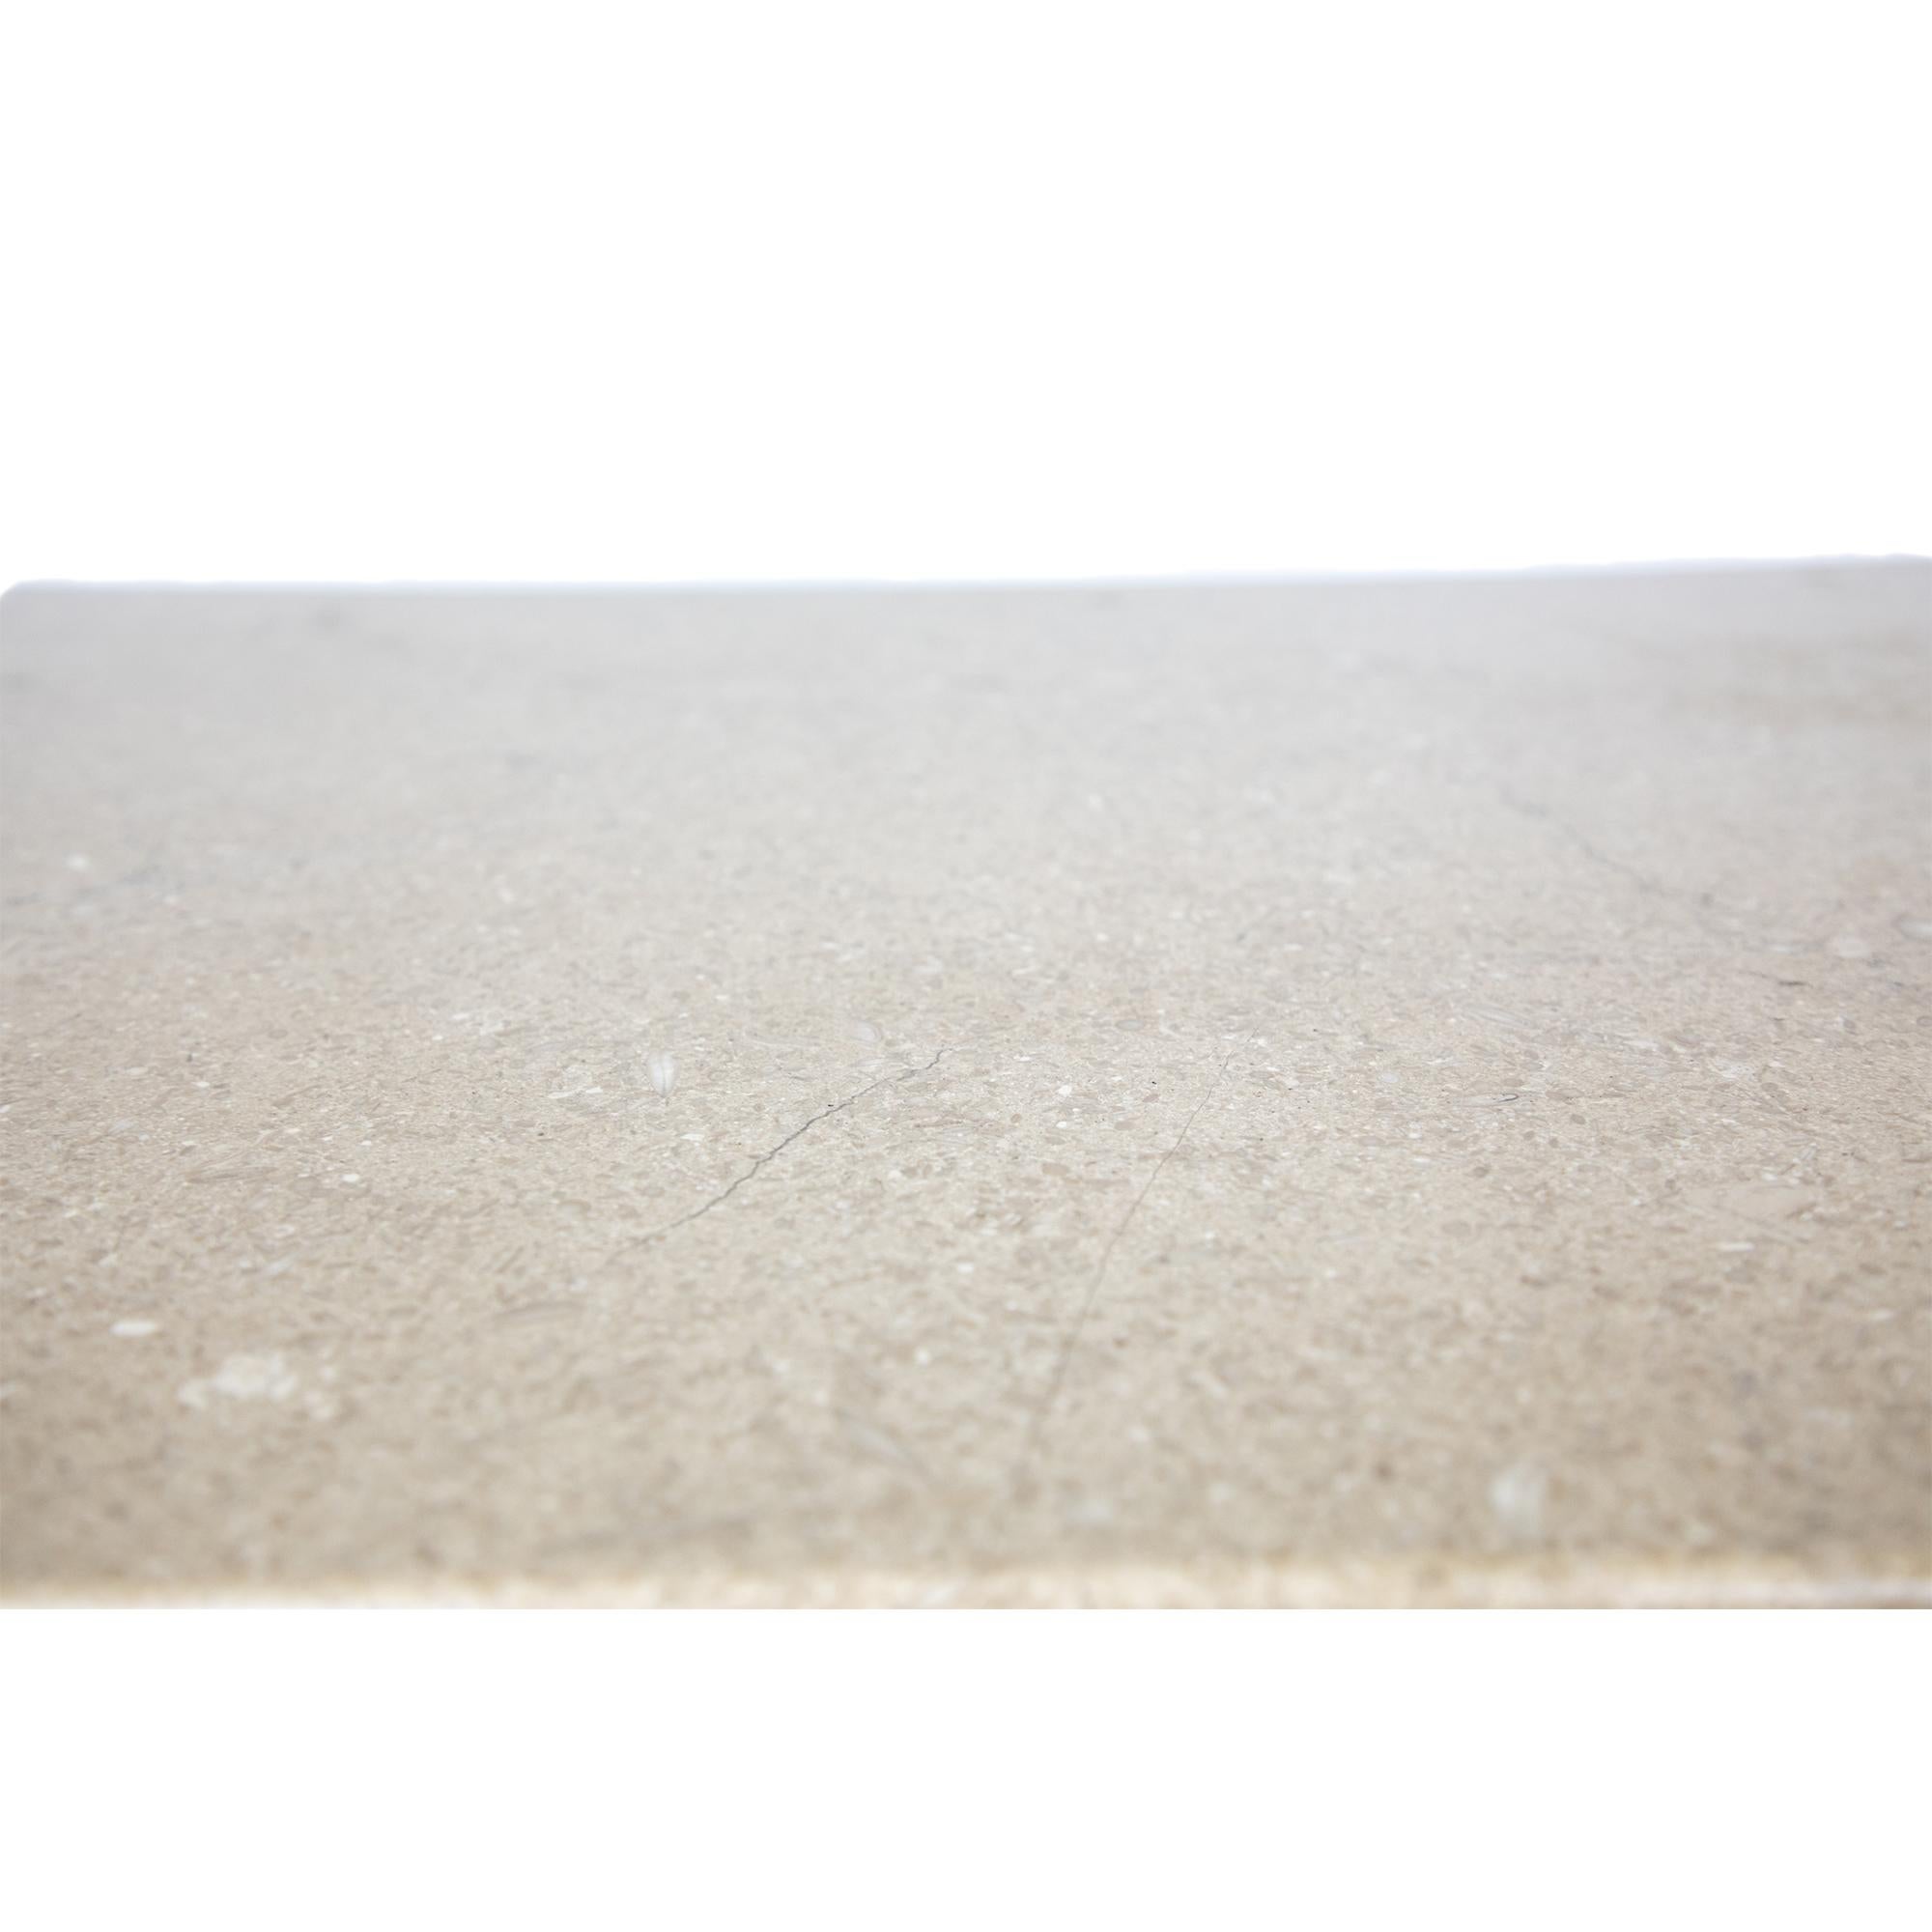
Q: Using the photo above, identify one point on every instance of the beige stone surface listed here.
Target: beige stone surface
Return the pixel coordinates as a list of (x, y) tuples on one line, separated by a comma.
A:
[(1333, 1093)]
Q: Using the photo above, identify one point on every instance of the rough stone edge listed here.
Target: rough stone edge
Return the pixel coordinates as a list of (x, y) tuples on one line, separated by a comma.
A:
[(1439, 1584)]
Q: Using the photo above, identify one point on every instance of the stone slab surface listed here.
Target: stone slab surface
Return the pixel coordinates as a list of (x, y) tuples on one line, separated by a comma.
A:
[(1379, 1092)]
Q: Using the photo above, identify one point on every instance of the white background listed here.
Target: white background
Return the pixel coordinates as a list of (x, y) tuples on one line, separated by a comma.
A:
[(1572, 1771), (818, 290), (716, 291)]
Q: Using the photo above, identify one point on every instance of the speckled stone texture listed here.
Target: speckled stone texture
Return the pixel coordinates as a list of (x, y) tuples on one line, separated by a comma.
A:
[(1343, 1093)]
